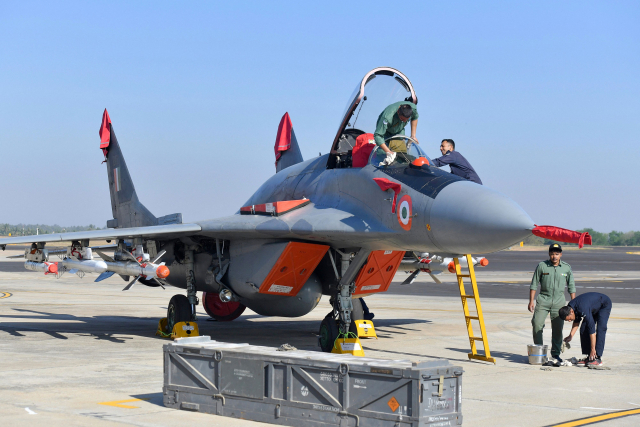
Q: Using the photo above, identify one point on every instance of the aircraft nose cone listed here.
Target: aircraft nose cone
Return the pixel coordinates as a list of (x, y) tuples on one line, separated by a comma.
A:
[(469, 218)]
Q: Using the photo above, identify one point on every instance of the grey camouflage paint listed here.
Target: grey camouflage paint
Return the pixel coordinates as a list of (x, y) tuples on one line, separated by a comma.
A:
[(347, 210)]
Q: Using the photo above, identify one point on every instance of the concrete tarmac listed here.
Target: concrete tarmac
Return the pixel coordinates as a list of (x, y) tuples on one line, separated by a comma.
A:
[(78, 353), (612, 271)]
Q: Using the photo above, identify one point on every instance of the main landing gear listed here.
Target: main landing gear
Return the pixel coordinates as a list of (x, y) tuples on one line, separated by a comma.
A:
[(179, 310), (221, 311), (181, 313)]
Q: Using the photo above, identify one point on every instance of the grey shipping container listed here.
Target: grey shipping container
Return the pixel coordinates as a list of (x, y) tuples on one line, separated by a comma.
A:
[(306, 388)]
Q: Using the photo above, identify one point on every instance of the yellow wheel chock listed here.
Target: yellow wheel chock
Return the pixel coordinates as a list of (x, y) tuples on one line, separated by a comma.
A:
[(365, 329), (348, 344), (180, 329)]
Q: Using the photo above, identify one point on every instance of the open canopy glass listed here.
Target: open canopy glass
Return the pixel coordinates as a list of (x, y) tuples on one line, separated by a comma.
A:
[(378, 89)]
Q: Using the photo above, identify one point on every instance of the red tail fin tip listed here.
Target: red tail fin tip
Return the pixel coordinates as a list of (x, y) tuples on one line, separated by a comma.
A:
[(283, 139), (105, 132)]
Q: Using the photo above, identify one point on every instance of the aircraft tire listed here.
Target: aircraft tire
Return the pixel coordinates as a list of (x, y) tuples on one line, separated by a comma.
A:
[(329, 326), (356, 314), (328, 333), (179, 310), (221, 311)]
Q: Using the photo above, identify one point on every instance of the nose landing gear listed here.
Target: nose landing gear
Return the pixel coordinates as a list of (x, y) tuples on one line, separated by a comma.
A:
[(329, 329)]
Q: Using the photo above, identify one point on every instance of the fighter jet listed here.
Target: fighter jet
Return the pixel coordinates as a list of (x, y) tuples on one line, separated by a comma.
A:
[(337, 225)]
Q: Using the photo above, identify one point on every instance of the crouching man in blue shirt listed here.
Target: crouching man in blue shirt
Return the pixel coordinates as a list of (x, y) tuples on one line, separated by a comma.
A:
[(593, 309)]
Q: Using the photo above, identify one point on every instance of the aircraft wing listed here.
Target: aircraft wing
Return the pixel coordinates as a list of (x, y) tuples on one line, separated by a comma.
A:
[(167, 231), (314, 223), (311, 222)]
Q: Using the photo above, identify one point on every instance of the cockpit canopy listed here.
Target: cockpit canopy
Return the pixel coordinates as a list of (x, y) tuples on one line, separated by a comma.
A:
[(378, 89), (406, 152)]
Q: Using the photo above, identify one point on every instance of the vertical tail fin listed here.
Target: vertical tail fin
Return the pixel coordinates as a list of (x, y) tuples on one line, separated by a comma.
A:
[(125, 206), (286, 148)]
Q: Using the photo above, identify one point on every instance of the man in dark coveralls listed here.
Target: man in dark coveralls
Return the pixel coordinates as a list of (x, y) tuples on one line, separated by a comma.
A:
[(458, 164), (593, 309)]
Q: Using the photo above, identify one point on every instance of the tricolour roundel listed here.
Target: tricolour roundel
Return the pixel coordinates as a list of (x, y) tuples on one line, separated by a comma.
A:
[(404, 212)]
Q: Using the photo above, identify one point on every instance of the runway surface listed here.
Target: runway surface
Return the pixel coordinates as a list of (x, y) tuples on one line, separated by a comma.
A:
[(74, 351), (588, 259), (78, 353), (612, 271)]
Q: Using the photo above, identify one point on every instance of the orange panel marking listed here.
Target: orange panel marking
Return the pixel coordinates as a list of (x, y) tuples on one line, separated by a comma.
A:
[(289, 205), (378, 272), (293, 268), (246, 210), (275, 208)]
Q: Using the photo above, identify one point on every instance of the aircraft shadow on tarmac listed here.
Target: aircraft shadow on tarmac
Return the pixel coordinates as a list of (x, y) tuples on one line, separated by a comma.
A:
[(120, 329), (510, 357)]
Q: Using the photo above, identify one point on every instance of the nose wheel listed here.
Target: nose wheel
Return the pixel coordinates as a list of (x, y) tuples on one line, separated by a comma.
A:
[(329, 328), (328, 333)]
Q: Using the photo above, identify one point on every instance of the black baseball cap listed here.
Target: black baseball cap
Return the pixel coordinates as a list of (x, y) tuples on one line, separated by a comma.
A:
[(554, 247)]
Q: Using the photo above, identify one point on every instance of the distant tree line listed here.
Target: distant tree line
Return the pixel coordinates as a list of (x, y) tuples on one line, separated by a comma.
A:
[(615, 238), (30, 229)]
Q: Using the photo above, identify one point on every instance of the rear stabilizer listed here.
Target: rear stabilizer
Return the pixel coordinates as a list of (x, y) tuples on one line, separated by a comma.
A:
[(125, 206)]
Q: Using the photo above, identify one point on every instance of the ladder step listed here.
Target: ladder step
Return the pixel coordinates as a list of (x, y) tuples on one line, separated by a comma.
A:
[(472, 317), (463, 275), (476, 338), (469, 296), (481, 357)]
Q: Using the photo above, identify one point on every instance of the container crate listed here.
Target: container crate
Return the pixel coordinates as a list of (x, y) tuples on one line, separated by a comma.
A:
[(306, 388)]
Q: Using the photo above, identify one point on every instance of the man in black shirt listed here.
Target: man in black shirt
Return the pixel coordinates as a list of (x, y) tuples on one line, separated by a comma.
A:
[(593, 309), (458, 164)]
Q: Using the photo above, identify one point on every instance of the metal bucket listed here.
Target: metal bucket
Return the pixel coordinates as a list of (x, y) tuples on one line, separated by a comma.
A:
[(537, 354)]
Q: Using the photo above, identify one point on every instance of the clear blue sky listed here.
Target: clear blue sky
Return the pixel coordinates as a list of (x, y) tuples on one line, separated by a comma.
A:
[(542, 97)]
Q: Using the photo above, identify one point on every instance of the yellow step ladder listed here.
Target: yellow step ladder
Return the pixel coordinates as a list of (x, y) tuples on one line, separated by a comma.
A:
[(468, 318)]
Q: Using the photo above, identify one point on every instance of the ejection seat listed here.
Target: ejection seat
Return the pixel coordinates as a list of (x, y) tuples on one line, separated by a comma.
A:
[(361, 152)]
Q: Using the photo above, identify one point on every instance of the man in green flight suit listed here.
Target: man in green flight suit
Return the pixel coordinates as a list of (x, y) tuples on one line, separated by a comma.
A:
[(392, 121), (553, 275)]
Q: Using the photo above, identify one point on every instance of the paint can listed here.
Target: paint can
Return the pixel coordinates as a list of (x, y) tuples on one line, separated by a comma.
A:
[(537, 354)]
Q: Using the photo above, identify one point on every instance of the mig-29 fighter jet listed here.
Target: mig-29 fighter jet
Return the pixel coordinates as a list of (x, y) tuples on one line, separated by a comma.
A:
[(333, 225)]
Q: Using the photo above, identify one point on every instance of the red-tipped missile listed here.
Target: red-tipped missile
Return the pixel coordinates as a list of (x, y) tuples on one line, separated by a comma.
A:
[(436, 264), (451, 267), (45, 267), (125, 268), (162, 272)]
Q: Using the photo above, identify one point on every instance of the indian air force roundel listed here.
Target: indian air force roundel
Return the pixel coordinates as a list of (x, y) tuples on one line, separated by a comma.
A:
[(405, 212)]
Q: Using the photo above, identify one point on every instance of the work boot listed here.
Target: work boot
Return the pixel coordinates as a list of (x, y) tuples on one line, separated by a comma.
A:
[(595, 362), (557, 359)]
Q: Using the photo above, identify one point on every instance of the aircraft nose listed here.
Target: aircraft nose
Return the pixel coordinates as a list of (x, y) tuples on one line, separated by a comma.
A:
[(466, 217)]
